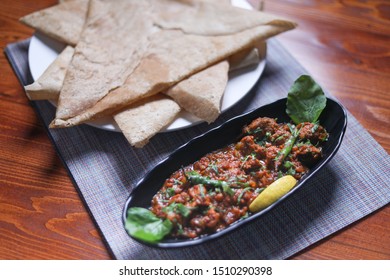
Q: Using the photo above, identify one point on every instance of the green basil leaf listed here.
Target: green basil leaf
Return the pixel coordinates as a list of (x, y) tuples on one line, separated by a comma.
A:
[(178, 208), (305, 100), (143, 224)]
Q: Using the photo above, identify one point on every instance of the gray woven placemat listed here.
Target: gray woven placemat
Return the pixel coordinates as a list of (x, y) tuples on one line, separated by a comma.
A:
[(105, 168)]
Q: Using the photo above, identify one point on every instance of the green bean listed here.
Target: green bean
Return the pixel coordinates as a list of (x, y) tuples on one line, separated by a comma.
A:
[(287, 147), (195, 178)]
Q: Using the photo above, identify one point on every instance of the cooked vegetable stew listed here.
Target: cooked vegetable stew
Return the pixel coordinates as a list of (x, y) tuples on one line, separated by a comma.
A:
[(216, 190)]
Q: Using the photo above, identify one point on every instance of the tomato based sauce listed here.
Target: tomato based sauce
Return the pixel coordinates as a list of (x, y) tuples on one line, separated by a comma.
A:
[(216, 190)]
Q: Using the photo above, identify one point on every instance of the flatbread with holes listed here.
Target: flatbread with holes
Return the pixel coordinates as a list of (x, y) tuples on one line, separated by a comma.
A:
[(152, 54), (202, 92), (145, 118), (110, 48), (175, 52), (199, 86)]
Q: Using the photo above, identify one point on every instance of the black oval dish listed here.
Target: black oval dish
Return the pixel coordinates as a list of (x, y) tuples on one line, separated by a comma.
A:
[(333, 118)]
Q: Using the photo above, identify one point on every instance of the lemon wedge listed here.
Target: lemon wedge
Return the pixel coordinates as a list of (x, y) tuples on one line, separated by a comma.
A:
[(272, 193)]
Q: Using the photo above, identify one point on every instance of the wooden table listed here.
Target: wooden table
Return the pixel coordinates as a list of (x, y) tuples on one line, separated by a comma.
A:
[(344, 45)]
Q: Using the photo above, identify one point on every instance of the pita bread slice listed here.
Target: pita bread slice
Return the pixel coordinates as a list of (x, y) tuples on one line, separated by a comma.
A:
[(110, 47), (210, 18), (146, 118), (242, 60), (202, 92), (62, 22), (49, 84), (161, 68)]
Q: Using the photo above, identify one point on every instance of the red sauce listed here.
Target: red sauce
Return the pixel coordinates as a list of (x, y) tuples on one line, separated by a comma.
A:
[(216, 190)]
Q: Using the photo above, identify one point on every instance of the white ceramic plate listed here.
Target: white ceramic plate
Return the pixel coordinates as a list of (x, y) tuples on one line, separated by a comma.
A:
[(44, 50)]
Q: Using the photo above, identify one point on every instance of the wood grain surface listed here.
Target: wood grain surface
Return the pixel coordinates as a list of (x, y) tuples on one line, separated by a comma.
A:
[(344, 45)]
